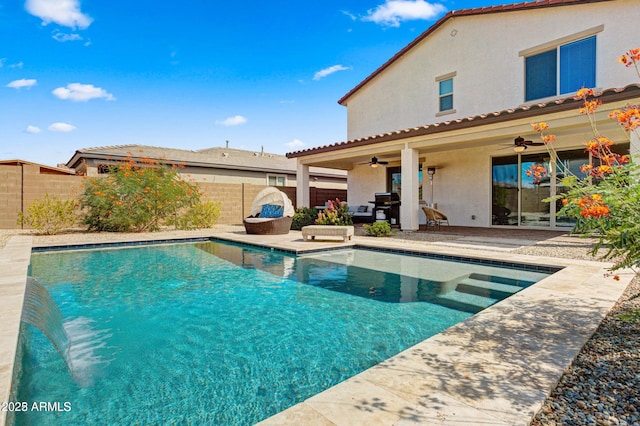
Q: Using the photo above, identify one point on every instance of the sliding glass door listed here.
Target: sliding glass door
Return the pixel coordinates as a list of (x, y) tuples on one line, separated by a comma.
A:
[(535, 186), (504, 207), (520, 186)]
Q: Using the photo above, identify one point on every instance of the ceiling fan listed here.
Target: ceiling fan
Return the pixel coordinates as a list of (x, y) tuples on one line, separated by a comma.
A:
[(375, 162), (520, 144)]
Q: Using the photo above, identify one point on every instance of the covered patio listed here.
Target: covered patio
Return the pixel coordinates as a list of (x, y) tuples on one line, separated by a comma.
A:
[(473, 169)]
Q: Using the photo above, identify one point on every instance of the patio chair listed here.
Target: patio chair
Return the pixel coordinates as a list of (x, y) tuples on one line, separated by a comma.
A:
[(434, 217), (271, 213)]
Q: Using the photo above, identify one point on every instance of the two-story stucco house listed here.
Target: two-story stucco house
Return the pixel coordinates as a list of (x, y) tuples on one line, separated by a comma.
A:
[(443, 115)]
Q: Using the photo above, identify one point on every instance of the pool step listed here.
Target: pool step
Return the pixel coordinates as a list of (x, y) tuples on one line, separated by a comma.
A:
[(489, 289), (465, 302)]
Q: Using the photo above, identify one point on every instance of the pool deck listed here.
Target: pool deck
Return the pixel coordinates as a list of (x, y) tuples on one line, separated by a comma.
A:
[(495, 368)]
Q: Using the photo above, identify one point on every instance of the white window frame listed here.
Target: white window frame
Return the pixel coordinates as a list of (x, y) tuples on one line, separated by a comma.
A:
[(439, 80), (555, 45), (276, 177)]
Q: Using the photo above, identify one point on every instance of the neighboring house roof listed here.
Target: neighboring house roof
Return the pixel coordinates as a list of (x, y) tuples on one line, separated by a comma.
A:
[(219, 158), (533, 110), (43, 168), (464, 12)]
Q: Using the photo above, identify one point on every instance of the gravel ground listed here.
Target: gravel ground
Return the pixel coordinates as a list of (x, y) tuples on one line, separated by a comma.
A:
[(601, 387)]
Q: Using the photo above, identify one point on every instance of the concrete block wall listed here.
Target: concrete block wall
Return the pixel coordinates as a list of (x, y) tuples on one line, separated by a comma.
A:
[(230, 195), (23, 184), (10, 196)]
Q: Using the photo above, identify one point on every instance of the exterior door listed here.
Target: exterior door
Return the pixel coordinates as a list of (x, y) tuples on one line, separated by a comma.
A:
[(535, 187), (504, 207)]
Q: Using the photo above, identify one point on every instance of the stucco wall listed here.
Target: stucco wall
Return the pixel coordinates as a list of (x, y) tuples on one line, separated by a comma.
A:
[(231, 176), (484, 52), (363, 182), (458, 187)]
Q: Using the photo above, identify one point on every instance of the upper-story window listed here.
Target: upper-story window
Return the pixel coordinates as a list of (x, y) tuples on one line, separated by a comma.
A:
[(445, 92), (563, 69)]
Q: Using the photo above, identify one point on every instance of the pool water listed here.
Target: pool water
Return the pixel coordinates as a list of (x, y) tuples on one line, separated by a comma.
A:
[(213, 333)]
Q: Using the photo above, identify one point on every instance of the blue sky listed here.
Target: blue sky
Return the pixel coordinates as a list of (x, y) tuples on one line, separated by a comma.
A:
[(191, 74)]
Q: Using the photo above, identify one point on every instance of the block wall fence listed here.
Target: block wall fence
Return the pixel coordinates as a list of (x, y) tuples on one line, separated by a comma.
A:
[(23, 184)]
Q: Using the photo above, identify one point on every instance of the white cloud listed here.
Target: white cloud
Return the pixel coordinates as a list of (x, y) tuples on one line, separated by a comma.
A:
[(63, 12), (32, 129), (296, 143), (62, 37), (392, 12), (61, 127), (236, 120), (82, 92), (18, 84), (327, 71), (17, 65), (349, 14)]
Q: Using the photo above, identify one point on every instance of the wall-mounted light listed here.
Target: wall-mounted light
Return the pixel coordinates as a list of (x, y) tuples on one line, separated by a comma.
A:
[(431, 171)]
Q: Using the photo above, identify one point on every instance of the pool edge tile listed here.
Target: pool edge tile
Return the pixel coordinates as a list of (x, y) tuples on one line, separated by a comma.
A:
[(17, 253)]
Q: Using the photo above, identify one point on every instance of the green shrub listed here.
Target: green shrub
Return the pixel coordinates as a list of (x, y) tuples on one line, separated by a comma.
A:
[(378, 229), (337, 213), (201, 215), (136, 198), (304, 216), (49, 215)]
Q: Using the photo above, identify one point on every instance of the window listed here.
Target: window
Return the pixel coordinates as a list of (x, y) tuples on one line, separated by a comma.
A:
[(107, 168), (446, 94), (276, 180), (563, 69)]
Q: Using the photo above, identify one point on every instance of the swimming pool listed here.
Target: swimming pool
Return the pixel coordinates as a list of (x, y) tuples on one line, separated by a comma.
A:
[(216, 333)]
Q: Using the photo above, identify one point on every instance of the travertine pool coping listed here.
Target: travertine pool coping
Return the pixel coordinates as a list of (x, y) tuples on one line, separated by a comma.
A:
[(495, 368)]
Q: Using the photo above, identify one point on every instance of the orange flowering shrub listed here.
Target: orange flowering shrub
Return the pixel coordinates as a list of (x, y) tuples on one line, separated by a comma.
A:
[(605, 201), (537, 172), (136, 196)]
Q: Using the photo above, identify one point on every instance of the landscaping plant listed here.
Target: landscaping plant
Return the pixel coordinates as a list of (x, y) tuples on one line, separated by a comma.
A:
[(203, 214), (378, 229), (336, 213), (136, 197), (49, 215), (303, 216), (605, 201)]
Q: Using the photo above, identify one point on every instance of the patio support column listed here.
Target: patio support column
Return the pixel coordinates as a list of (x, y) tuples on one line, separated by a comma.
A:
[(302, 185), (409, 197)]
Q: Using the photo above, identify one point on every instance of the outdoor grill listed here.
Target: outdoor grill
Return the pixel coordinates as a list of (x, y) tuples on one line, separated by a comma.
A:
[(389, 203)]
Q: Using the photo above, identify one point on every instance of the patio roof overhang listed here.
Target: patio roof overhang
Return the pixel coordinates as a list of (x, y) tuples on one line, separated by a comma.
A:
[(485, 129)]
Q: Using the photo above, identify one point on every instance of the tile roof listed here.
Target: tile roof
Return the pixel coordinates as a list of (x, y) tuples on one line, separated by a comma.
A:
[(63, 170), (223, 158), (530, 110), (465, 12)]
